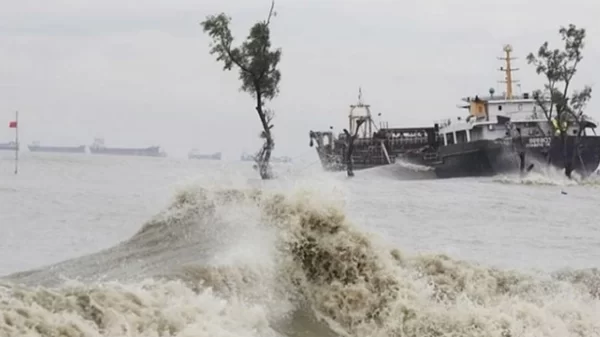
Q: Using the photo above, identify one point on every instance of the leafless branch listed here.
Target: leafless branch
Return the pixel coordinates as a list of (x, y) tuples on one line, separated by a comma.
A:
[(270, 12)]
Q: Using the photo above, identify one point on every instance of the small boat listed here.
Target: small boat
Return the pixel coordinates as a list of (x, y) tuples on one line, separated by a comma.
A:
[(195, 154), (283, 159)]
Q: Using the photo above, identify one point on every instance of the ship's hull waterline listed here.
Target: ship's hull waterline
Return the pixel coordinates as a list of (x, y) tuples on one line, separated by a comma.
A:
[(489, 158)]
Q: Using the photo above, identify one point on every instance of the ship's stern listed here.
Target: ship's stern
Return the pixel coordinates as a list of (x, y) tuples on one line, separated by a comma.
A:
[(547, 150)]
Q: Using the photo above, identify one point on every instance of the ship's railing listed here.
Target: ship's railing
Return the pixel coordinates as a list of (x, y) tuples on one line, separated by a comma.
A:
[(409, 140), (394, 141)]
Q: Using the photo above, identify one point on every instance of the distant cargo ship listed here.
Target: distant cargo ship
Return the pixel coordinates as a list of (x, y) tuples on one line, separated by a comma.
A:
[(98, 148), (12, 146), (36, 147), (195, 154), (284, 159)]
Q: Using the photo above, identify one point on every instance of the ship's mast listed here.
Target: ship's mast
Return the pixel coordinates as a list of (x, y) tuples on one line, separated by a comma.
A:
[(507, 69), (368, 128)]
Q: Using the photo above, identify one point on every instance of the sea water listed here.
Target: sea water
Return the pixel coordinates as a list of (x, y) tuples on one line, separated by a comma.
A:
[(127, 246)]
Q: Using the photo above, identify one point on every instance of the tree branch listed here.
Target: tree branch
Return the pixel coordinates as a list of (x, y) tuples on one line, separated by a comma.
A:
[(270, 13)]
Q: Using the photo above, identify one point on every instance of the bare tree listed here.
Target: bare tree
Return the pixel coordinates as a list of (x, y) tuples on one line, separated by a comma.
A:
[(257, 64), (561, 108), (350, 147)]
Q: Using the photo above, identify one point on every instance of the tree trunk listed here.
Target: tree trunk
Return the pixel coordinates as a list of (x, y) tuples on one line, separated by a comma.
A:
[(522, 163), (264, 156), (575, 153), (350, 144), (349, 163), (567, 162), (521, 153)]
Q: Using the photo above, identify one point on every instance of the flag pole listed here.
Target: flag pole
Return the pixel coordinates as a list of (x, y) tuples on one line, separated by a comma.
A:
[(17, 142)]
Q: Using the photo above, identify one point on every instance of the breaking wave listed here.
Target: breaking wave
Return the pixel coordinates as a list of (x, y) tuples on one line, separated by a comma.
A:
[(549, 176), (400, 170), (256, 263)]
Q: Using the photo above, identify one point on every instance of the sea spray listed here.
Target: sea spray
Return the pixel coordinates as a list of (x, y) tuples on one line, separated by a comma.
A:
[(148, 309), (366, 292), (320, 265)]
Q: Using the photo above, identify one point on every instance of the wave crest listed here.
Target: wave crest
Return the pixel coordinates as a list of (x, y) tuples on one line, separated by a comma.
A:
[(316, 265)]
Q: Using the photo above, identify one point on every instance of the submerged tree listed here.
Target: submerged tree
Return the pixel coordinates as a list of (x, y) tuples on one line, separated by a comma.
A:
[(520, 148), (350, 146), (561, 106), (257, 64)]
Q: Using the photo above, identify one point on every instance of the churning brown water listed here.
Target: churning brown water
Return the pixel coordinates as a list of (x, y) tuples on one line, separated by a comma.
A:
[(309, 254)]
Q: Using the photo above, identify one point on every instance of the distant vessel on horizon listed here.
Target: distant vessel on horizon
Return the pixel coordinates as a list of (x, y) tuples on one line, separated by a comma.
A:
[(283, 159), (195, 154), (12, 146), (98, 147), (36, 147)]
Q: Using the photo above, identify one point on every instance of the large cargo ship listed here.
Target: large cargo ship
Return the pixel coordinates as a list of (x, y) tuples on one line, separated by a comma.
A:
[(11, 146), (36, 147), (98, 147), (195, 154), (498, 132)]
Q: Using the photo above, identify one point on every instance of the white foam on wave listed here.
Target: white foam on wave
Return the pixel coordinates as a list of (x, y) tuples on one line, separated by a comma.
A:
[(297, 251)]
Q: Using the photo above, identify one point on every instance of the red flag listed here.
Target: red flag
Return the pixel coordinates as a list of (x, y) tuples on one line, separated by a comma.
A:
[(12, 124)]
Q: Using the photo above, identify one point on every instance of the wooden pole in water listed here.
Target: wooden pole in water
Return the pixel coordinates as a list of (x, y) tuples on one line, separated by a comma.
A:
[(17, 142)]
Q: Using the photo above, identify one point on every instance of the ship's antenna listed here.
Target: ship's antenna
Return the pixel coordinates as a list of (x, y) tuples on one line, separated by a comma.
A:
[(507, 69), (360, 103)]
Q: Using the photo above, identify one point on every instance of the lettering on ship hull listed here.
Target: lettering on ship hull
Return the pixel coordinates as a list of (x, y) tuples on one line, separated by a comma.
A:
[(538, 142)]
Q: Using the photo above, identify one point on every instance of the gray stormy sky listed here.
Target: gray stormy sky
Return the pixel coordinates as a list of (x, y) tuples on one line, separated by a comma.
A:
[(138, 73)]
